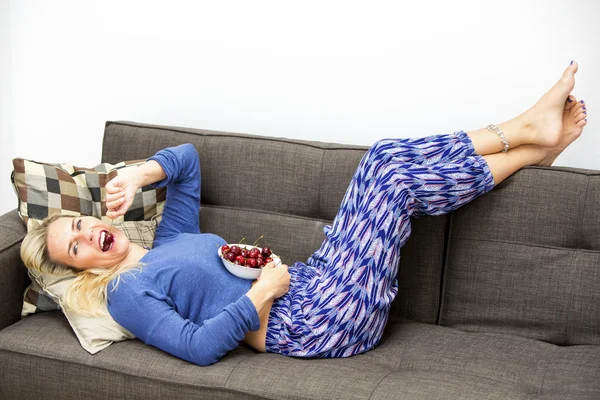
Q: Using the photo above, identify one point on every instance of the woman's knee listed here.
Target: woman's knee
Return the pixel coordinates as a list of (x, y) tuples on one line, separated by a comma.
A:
[(380, 147), (376, 157)]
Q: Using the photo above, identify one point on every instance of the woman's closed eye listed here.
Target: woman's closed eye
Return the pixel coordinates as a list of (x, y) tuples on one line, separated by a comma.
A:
[(77, 244)]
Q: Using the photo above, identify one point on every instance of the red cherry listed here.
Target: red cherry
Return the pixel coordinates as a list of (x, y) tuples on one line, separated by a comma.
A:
[(241, 260), (244, 253), (235, 250), (230, 256), (266, 252), (225, 249), (251, 262), (268, 260), (260, 262), (254, 253)]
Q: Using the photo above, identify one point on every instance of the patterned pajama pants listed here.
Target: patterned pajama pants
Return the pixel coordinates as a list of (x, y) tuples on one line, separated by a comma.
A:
[(339, 300)]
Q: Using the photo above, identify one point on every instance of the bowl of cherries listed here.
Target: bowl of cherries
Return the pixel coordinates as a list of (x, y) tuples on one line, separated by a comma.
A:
[(246, 261)]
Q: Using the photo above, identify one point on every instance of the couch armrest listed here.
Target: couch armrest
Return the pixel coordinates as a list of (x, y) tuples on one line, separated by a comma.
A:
[(13, 274)]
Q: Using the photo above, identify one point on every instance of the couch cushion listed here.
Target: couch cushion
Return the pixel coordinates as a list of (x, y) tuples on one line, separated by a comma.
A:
[(419, 361), (524, 258), (286, 190)]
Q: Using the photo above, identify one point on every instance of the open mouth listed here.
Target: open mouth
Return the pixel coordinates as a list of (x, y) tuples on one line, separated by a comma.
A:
[(106, 240)]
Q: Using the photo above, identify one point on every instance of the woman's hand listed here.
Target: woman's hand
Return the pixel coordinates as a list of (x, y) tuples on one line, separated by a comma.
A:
[(120, 192), (275, 279)]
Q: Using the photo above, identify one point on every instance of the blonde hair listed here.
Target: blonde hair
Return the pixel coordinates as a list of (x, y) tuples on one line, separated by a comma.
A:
[(87, 293)]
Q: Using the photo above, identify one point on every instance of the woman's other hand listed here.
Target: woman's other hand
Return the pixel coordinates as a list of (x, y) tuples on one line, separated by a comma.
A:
[(120, 192), (275, 279)]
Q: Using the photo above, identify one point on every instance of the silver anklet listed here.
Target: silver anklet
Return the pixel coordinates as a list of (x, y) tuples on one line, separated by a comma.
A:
[(498, 131)]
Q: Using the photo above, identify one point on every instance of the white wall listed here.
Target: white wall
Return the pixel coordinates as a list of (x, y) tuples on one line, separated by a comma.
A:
[(7, 138), (340, 71)]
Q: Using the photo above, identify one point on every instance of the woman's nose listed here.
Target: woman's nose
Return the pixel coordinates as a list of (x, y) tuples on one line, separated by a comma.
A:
[(85, 235)]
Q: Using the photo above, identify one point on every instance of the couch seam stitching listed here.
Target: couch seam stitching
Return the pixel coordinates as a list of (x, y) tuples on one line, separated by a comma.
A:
[(201, 180), (249, 136), (16, 242), (408, 344), (545, 371), (445, 268), (545, 246), (320, 183), (233, 370), (266, 212), (570, 298), (379, 383), (525, 386), (587, 187)]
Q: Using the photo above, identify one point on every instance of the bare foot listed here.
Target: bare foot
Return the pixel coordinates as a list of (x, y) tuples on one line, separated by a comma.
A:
[(543, 123), (573, 120)]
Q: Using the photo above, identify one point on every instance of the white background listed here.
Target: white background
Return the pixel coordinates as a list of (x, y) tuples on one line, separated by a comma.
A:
[(337, 71)]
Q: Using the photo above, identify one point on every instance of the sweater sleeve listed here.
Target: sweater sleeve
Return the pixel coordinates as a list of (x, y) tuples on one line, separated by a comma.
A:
[(182, 167), (158, 324)]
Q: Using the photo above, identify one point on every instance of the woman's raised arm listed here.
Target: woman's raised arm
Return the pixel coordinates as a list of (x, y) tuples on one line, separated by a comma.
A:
[(178, 169)]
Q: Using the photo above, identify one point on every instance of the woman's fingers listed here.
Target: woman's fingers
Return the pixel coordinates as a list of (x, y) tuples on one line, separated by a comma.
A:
[(273, 264), (118, 201), (120, 192), (117, 211), (112, 214), (114, 196), (115, 185)]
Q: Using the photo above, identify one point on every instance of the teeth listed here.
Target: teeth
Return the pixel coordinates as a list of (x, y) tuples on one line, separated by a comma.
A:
[(102, 237)]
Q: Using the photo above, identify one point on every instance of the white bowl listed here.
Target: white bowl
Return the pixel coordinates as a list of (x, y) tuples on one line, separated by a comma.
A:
[(243, 271)]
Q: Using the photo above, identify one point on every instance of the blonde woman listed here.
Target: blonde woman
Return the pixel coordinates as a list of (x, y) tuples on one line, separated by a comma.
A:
[(179, 298)]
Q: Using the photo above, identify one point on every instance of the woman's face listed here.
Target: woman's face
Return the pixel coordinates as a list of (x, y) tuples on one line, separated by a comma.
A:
[(85, 242)]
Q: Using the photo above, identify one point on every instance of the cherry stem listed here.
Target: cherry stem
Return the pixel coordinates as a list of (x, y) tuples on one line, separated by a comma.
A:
[(257, 240)]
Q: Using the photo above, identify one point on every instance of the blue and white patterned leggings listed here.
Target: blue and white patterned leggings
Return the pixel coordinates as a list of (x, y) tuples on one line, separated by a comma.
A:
[(339, 300)]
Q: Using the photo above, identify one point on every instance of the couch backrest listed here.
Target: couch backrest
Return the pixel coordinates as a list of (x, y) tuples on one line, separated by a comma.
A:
[(286, 190), (524, 259)]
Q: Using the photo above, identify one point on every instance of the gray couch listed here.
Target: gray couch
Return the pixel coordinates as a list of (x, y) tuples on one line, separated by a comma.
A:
[(497, 300)]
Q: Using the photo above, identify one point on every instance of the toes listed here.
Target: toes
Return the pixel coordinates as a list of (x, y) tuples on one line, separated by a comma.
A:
[(579, 115), (577, 108), (571, 102), (581, 123), (571, 69)]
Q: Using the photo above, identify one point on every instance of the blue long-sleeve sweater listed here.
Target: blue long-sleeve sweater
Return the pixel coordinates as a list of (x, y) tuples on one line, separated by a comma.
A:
[(183, 301)]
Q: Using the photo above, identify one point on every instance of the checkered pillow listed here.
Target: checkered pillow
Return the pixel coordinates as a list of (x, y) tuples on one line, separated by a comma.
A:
[(46, 189), (37, 300)]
